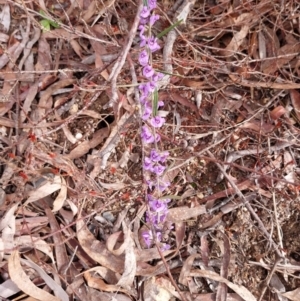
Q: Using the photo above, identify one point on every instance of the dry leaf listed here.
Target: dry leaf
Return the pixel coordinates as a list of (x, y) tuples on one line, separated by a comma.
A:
[(128, 275), (295, 98), (45, 190), (5, 17), (154, 292), (239, 289), (8, 288), (277, 112), (60, 199), (292, 295), (37, 243), (97, 250), (19, 277), (184, 213), (57, 289)]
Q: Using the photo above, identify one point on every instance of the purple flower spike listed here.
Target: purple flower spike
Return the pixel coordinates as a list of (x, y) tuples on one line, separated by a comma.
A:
[(152, 44), (152, 4), (159, 169), (157, 121), (148, 71), (153, 19), (144, 58), (145, 12)]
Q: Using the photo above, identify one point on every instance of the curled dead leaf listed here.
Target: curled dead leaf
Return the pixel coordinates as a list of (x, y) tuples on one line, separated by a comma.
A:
[(277, 112), (19, 277)]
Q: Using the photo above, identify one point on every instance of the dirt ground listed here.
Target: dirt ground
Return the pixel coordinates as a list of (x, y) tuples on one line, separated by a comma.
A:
[(73, 194)]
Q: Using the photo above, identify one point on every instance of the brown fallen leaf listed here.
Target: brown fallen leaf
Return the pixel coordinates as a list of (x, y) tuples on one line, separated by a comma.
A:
[(97, 250), (99, 284), (128, 275), (61, 197), (45, 190), (295, 98), (285, 54), (239, 289), (19, 277), (292, 295), (184, 213)]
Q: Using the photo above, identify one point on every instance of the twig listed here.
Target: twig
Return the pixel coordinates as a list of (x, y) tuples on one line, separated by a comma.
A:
[(121, 60), (249, 208), (267, 281)]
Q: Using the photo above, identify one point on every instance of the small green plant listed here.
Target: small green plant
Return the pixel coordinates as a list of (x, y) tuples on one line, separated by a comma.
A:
[(46, 23)]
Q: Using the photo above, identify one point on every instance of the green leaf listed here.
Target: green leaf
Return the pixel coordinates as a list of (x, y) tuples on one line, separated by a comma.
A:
[(45, 25), (164, 32), (155, 103), (54, 24)]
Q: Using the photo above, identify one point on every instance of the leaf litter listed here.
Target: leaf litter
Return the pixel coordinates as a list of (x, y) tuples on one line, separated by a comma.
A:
[(68, 156)]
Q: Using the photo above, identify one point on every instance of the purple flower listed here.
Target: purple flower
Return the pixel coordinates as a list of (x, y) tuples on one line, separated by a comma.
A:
[(157, 76), (146, 135), (160, 103), (148, 165), (152, 4), (151, 86), (157, 121), (148, 237), (153, 19), (145, 12), (157, 137), (148, 71), (165, 247), (143, 41), (146, 113), (162, 186), (143, 58), (152, 44), (144, 21), (142, 30), (144, 89), (158, 169), (164, 156), (143, 99), (158, 206), (154, 155)]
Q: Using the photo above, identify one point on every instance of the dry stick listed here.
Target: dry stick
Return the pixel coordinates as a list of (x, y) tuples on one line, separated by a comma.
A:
[(267, 281), (168, 269), (121, 60), (248, 206)]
